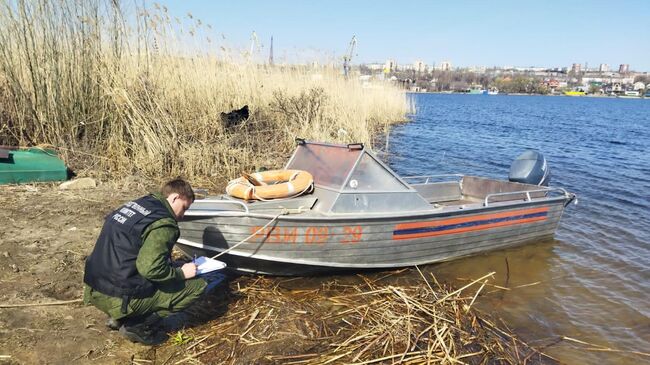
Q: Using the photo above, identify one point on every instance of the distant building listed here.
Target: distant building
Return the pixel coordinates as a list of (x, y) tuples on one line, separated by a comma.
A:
[(365, 81), (576, 68), (531, 69), (622, 80), (553, 83), (639, 86), (586, 81), (390, 66), (444, 66), (477, 69), (623, 68), (603, 67), (419, 66)]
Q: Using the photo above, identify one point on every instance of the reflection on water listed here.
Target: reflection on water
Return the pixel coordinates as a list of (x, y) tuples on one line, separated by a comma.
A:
[(544, 303)]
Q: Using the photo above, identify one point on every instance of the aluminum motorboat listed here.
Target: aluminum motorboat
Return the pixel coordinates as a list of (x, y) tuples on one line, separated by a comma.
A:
[(362, 215)]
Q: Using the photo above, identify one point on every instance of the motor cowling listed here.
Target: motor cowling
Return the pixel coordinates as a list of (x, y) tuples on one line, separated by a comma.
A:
[(530, 168)]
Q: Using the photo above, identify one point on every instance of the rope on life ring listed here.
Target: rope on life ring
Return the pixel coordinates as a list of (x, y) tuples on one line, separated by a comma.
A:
[(273, 184)]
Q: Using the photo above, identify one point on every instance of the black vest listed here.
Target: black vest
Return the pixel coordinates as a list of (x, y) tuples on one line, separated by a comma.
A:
[(110, 268)]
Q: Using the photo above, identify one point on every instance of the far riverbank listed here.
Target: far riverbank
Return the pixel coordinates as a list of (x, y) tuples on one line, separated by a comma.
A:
[(525, 94)]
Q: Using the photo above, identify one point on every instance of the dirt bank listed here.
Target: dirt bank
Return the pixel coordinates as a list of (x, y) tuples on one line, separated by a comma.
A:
[(46, 235)]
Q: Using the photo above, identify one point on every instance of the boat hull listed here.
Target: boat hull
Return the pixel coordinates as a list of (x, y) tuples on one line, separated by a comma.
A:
[(574, 93), (296, 245), (22, 166)]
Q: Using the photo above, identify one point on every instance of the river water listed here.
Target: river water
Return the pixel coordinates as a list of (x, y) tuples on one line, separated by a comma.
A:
[(592, 281)]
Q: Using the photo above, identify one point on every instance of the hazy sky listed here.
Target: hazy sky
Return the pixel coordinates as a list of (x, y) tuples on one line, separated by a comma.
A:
[(490, 33)]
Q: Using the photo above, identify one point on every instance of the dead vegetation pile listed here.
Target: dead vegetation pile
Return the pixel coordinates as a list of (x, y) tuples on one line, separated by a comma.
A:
[(372, 323)]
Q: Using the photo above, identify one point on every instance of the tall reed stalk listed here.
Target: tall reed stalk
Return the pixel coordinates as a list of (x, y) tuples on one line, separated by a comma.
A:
[(141, 91)]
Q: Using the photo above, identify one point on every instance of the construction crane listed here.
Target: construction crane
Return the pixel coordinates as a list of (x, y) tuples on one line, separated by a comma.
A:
[(347, 58)]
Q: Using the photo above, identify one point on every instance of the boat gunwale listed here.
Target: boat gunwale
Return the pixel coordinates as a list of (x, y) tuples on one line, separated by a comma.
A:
[(369, 216)]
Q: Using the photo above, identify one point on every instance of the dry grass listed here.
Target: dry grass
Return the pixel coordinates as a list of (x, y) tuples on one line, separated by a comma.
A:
[(373, 323), (139, 91)]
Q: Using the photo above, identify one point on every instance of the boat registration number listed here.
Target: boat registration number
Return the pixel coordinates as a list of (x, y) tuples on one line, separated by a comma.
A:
[(307, 235)]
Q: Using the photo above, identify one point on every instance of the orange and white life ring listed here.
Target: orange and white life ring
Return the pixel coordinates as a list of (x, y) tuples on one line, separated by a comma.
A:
[(271, 184)]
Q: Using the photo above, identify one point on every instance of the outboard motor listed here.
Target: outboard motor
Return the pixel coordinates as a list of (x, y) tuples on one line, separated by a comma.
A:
[(530, 168)]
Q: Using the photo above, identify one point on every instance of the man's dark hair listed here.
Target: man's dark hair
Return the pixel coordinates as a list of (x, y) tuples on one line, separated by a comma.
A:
[(180, 187)]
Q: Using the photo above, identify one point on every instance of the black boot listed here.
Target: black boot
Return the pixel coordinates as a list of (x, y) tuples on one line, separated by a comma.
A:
[(146, 331), (113, 324), (176, 321)]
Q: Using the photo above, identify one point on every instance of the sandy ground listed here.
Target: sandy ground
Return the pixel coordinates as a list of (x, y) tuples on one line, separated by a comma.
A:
[(45, 236)]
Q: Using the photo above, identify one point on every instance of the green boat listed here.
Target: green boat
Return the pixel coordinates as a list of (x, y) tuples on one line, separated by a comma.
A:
[(476, 90), (27, 165)]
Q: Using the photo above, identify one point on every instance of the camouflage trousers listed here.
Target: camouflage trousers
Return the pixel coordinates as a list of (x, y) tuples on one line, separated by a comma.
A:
[(166, 300)]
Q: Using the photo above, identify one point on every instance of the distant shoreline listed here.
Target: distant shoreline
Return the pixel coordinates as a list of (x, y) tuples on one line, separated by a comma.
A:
[(524, 94)]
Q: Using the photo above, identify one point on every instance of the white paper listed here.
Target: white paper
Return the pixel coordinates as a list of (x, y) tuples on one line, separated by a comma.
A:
[(206, 264)]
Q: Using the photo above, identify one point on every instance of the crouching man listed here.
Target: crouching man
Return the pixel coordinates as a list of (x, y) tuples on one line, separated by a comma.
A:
[(130, 276)]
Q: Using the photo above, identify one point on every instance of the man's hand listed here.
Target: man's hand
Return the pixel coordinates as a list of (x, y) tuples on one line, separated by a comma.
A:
[(189, 270)]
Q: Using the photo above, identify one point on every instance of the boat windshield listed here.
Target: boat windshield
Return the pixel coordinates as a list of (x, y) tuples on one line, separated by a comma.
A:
[(329, 165), (369, 175)]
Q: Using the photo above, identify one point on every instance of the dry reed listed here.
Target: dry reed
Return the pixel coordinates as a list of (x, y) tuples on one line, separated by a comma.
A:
[(132, 90), (373, 323)]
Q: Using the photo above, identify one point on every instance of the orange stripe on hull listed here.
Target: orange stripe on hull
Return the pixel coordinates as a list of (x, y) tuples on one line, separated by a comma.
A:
[(445, 222), (468, 229)]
